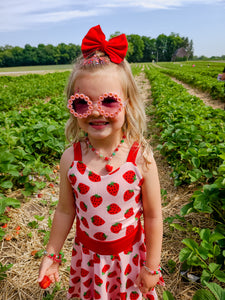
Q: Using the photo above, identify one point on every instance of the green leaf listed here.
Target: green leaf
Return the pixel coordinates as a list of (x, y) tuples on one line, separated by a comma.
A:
[(190, 244), (178, 227), (7, 184), (195, 162), (167, 296), (184, 254), (220, 275), (39, 218), (203, 295), (217, 290)]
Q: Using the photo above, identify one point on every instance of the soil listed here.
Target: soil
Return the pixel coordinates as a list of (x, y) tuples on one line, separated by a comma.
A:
[(21, 282)]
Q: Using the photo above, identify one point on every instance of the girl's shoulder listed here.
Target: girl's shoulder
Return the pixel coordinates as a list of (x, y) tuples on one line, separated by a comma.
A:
[(67, 158)]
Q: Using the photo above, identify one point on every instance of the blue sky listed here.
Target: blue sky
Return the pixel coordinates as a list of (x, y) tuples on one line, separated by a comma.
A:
[(67, 21)]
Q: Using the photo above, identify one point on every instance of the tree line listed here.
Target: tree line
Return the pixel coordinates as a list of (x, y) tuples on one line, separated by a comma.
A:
[(141, 49)]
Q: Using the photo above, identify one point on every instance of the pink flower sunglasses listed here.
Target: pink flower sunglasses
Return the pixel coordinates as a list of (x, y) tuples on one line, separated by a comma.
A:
[(108, 105)]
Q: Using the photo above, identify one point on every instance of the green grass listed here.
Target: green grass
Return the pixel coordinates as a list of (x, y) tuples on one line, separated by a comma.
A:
[(37, 68)]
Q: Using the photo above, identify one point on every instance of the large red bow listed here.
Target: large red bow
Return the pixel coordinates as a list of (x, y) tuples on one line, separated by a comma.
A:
[(115, 48)]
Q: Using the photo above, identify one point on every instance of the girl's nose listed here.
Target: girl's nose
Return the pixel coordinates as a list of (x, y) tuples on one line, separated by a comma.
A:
[(95, 112)]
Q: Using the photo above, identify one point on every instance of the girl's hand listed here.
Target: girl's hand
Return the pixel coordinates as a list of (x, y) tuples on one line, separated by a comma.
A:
[(146, 281), (49, 268)]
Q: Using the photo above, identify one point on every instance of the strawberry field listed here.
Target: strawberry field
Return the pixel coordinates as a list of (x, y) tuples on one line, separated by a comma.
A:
[(189, 135)]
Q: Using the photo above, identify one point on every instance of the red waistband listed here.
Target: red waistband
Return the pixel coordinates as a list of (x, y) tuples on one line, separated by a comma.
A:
[(110, 247)]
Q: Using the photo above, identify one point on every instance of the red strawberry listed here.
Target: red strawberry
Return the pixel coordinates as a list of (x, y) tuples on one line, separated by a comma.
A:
[(129, 283), (107, 286), (97, 221), (134, 295), (81, 167), (127, 270), (74, 252), (118, 280), (94, 177), (128, 250), (98, 280), (105, 269), (129, 229), (141, 181), (72, 271), (113, 209), (45, 283), (96, 258), (96, 200), (83, 188), (123, 296), (85, 250), (113, 188), (97, 295), (75, 193), (76, 279), (142, 247), (129, 213), (84, 272), (85, 222), (128, 195), (138, 198), (88, 282), (115, 228), (113, 288), (83, 206), (71, 289), (112, 274), (135, 259), (72, 178), (87, 295), (130, 176), (138, 214), (78, 264), (91, 263), (150, 297), (100, 236)]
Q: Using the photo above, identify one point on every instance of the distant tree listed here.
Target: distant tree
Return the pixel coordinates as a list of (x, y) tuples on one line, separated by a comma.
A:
[(138, 47), (149, 52)]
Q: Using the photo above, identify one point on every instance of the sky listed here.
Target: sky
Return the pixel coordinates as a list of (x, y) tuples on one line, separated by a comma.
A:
[(67, 21)]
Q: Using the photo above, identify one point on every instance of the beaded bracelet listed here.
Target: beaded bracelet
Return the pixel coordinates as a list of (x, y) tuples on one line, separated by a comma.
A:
[(56, 258), (153, 272)]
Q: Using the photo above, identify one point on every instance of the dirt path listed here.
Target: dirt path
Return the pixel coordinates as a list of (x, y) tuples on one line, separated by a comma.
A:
[(21, 283)]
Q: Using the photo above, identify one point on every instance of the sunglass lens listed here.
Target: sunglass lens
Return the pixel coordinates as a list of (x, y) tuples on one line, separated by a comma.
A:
[(110, 104), (80, 106)]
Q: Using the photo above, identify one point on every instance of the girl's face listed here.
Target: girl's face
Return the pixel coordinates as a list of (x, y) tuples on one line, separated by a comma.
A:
[(94, 85)]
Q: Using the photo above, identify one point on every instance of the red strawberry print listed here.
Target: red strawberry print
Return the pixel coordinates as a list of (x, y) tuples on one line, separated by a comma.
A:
[(107, 286), (118, 279), (134, 295), (85, 222), (113, 188), (129, 229), (96, 200), (135, 259), (115, 228), (123, 296), (129, 213), (113, 288), (112, 274), (100, 236), (74, 252), (76, 279), (128, 250), (127, 270), (84, 272), (97, 295), (98, 280), (88, 282), (72, 271), (128, 195), (71, 289), (78, 264), (142, 247), (94, 177), (130, 176), (113, 209), (91, 263), (83, 206), (81, 167), (150, 297), (129, 283), (87, 295), (96, 258), (83, 188), (138, 198), (141, 182), (105, 269), (138, 214), (97, 221), (72, 178), (75, 193)]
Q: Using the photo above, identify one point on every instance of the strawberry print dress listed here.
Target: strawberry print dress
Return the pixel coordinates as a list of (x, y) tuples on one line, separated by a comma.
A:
[(108, 249)]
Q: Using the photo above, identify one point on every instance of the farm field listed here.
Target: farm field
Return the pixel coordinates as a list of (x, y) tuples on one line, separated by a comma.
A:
[(188, 139)]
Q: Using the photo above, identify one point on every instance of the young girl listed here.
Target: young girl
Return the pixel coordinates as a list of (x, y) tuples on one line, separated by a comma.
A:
[(108, 180)]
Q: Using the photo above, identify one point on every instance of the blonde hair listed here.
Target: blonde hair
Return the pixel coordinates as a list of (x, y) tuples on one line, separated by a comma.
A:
[(135, 118)]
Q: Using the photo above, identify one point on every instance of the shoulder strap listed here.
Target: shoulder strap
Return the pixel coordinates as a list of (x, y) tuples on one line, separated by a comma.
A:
[(77, 151), (133, 152)]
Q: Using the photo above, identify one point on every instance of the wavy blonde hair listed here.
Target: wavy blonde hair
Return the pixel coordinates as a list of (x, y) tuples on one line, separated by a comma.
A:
[(135, 118)]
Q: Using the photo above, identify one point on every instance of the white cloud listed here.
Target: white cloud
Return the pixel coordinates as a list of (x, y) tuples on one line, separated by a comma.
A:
[(20, 14)]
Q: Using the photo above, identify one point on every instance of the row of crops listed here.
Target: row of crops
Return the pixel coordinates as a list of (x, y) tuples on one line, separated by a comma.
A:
[(201, 75), (192, 138)]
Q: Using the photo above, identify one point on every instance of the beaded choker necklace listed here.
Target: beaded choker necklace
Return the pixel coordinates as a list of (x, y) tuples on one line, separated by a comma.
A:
[(108, 167)]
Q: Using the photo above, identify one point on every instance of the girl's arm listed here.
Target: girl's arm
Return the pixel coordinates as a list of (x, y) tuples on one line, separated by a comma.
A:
[(62, 221), (153, 226)]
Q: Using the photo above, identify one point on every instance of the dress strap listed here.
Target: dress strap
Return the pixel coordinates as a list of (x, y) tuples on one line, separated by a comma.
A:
[(77, 151), (133, 152)]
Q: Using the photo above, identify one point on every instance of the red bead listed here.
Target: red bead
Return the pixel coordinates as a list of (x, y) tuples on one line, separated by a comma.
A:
[(106, 158), (108, 168)]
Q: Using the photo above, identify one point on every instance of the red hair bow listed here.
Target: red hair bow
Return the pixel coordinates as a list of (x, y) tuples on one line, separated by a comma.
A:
[(115, 48)]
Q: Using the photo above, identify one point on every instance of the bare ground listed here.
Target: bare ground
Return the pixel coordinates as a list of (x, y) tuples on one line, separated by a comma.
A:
[(21, 283)]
